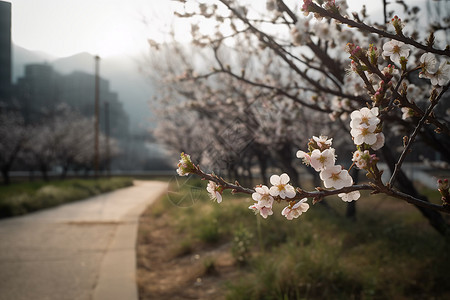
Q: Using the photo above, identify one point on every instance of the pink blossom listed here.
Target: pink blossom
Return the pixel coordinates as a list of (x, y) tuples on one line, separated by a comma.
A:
[(262, 210), (296, 210)]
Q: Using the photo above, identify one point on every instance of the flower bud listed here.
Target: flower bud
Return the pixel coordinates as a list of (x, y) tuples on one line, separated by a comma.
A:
[(185, 165), (443, 184), (398, 25)]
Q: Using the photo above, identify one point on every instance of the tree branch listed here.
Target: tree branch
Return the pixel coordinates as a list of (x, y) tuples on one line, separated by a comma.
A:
[(360, 25), (319, 194)]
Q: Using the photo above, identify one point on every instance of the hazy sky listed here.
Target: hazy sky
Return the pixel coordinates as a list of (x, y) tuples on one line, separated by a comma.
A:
[(104, 27)]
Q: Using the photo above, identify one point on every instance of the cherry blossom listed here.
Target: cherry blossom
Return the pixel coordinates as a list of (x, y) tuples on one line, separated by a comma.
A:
[(281, 187), (364, 116), (215, 98), (264, 201), (305, 157), (322, 141), (441, 76), (336, 177), (428, 63), (215, 191), (407, 113), (360, 158), (184, 165), (349, 197), (379, 142), (443, 184), (363, 135), (296, 210), (262, 196), (395, 49), (322, 159), (364, 123), (264, 211)]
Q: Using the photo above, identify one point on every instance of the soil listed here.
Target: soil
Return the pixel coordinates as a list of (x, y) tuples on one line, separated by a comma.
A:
[(166, 270)]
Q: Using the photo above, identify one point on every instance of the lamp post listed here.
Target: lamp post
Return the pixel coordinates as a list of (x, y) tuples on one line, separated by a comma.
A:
[(107, 158), (96, 121)]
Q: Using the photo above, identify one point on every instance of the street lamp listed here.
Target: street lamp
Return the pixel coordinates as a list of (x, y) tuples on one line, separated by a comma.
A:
[(96, 122)]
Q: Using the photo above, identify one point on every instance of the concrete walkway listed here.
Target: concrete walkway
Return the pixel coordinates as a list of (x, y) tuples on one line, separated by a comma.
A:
[(82, 250)]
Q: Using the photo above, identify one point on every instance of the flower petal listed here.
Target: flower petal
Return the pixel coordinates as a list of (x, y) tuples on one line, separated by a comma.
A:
[(274, 191), (275, 180), (284, 178)]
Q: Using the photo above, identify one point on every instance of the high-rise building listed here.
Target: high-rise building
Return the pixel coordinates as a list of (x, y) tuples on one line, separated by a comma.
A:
[(5, 52), (41, 89), (37, 91)]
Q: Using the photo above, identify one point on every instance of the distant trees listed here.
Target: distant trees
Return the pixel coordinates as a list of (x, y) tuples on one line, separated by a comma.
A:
[(13, 135), (63, 139)]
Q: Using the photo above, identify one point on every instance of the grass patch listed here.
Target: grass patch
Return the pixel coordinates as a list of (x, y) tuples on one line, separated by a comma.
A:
[(389, 252), (21, 198)]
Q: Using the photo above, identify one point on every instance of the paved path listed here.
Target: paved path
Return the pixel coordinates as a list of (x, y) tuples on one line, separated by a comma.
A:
[(82, 250)]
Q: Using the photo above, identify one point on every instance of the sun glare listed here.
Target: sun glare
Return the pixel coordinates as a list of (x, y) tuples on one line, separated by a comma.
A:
[(119, 41)]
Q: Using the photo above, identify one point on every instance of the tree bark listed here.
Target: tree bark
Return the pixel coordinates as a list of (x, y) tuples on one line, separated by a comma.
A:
[(44, 173), (262, 161), (5, 174), (285, 157)]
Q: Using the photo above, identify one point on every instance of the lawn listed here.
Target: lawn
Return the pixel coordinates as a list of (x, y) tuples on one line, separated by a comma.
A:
[(215, 251), (24, 197)]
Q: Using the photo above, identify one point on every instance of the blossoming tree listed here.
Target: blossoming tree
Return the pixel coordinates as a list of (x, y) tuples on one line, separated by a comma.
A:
[(394, 80), (13, 138)]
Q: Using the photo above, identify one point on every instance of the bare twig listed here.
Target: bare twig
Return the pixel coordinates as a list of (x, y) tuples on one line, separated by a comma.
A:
[(360, 25), (411, 139)]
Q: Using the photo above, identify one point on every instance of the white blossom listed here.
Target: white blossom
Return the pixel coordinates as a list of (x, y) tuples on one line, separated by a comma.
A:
[(184, 164), (281, 187), (363, 135), (379, 142), (428, 62), (213, 190), (364, 116), (349, 197), (306, 158), (322, 159), (395, 49), (407, 113), (296, 210), (360, 158), (323, 141), (441, 76), (336, 177), (262, 196), (364, 123)]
